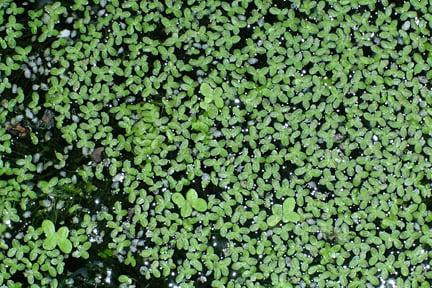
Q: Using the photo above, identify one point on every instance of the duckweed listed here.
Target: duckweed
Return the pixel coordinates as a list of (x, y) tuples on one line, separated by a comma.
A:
[(245, 143)]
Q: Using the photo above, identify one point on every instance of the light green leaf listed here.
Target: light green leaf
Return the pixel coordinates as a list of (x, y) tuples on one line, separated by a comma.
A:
[(200, 205), (191, 195), (125, 279), (219, 102), (288, 205), (288, 211), (206, 90), (186, 210), (178, 199), (48, 227), (273, 220), (63, 232), (65, 245), (291, 217), (50, 242)]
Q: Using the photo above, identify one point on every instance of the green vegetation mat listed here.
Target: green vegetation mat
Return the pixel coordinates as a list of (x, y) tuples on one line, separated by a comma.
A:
[(215, 143)]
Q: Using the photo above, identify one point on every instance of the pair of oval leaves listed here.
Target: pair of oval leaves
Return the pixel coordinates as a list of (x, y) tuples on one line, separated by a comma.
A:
[(284, 212), (192, 201)]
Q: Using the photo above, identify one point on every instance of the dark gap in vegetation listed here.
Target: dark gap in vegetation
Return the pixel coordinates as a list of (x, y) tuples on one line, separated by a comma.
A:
[(251, 7), (424, 181), (329, 195), (262, 61), (19, 277), (428, 202), (397, 3), (206, 284), (287, 169), (157, 34), (204, 21), (210, 189), (179, 256), (365, 123), (77, 267), (367, 51)]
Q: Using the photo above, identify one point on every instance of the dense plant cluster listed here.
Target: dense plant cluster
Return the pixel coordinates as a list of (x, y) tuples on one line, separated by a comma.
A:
[(215, 143)]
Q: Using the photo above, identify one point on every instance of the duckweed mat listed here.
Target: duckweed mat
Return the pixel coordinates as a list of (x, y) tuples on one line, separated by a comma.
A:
[(215, 143)]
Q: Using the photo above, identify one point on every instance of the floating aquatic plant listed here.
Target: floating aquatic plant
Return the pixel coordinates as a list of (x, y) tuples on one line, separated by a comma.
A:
[(56, 238), (191, 202), (284, 212), (215, 143)]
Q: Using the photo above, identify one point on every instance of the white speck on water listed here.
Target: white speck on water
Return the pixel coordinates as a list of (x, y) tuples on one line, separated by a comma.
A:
[(108, 277), (390, 283), (252, 61), (119, 177), (39, 168), (205, 177), (64, 33), (27, 73), (261, 22), (29, 114), (406, 26)]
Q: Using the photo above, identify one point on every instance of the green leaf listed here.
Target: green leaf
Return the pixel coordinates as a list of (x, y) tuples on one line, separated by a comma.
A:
[(206, 90), (200, 126), (191, 195), (186, 210), (48, 227), (277, 210), (178, 199), (63, 233), (125, 279), (65, 245), (288, 205), (288, 213), (50, 242), (219, 102), (291, 217), (197, 265), (273, 220), (217, 97), (200, 205)]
